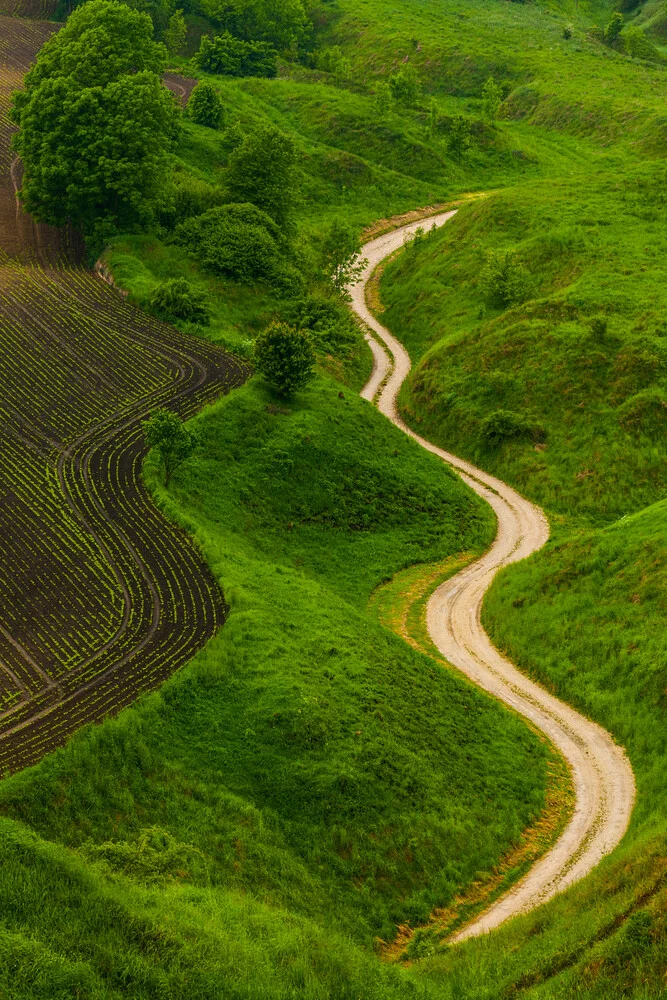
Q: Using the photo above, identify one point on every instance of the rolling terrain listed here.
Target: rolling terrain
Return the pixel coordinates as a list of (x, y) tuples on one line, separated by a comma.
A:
[(101, 598), (310, 784)]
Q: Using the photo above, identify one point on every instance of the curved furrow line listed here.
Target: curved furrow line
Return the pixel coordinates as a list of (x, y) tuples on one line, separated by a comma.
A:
[(172, 604), (602, 777)]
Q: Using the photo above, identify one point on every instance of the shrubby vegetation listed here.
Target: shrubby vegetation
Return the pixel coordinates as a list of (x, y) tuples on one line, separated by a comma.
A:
[(229, 56), (176, 299), (205, 107), (238, 240), (95, 122), (284, 355)]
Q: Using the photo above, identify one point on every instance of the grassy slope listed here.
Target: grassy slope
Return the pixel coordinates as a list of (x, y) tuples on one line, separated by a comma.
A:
[(198, 924), (586, 616), (308, 759), (594, 249)]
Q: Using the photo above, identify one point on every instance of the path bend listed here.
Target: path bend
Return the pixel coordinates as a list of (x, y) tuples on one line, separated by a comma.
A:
[(602, 777)]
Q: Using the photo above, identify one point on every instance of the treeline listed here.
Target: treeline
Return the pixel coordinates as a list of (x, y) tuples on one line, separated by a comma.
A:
[(245, 36)]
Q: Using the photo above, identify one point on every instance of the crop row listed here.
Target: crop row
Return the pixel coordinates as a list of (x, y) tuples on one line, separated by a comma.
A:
[(101, 598)]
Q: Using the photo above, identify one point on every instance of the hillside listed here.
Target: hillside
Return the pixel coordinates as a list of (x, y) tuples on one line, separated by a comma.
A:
[(308, 785)]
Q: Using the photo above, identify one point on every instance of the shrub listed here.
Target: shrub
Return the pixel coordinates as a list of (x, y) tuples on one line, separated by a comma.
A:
[(492, 97), (236, 240), (176, 33), (460, 136), (229, 56), (505, 425), (637, 44), (262, 171), (341, 260), (330, 324), (613, 29), (405, 86), (504, 280), (205, 106), (285, 357), (177, 299), (599, 329), (167, 433), (568, 31), (188, 196)]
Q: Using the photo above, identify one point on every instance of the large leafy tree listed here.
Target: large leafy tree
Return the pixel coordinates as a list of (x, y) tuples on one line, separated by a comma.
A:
[(283, 23), (262, 170), (95, 122)]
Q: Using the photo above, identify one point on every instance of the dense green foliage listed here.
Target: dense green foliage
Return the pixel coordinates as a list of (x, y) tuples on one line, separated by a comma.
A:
[(231, 56), (237, 240), (176, 299), (205, 106), (284, 355), (171, 439), (262, 170), (201, 821), (96, 122)]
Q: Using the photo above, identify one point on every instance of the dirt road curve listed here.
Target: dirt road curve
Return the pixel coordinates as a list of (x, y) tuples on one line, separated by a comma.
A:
[(603, 779)]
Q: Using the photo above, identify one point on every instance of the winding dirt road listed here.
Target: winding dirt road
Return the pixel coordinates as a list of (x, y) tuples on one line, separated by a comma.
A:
[(602, 777)]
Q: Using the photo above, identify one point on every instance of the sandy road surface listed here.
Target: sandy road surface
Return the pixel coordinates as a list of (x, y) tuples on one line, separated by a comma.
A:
[(603, 780)]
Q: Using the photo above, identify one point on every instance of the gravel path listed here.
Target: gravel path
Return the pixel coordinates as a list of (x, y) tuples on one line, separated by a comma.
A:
[(603, 780)]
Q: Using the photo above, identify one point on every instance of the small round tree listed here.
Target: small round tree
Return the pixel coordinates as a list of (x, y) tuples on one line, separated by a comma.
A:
[(177, 299), (205, 106), (285, 357), (166, 432)]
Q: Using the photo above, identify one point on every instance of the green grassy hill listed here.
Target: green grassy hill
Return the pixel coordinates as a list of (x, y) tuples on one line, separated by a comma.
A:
[(309, 773), (310, 781)]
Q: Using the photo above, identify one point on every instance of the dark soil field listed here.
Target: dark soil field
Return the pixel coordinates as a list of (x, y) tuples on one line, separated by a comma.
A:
[(101, 598)]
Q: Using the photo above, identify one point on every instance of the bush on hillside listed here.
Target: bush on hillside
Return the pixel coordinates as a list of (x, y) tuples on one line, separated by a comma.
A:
[(285, 357), (205, 106), (637, 44), (459, 139), (340, 257), (237, 240), (176, 33), (505, 425), (228, 56), (284, 24), (177, 299), (262, 170), (504, 280), (188, 196), (613, 29), (330, 324), (405, 86)]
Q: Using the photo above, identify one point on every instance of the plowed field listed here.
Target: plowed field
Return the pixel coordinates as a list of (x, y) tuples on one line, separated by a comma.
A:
[(100, 597)]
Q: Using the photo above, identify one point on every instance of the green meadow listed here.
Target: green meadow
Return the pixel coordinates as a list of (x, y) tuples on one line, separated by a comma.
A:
[(258, 828)]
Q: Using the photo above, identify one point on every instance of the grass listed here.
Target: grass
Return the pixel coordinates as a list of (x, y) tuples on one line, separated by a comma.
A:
[(587, 618), (311, 781), (592, 405), (308, 758)]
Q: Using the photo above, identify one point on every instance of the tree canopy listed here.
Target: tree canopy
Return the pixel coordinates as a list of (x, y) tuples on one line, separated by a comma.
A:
[(262, 171), (283, 23), (95, 122)]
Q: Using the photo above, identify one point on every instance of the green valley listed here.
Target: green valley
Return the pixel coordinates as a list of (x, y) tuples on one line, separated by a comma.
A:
[(237, 763)]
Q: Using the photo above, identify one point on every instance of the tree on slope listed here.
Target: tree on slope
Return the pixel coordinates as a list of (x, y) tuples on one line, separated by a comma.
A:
[(95, 122), (172, 440), (285, 357), (262, 171), (341, 257), (205, 106)]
